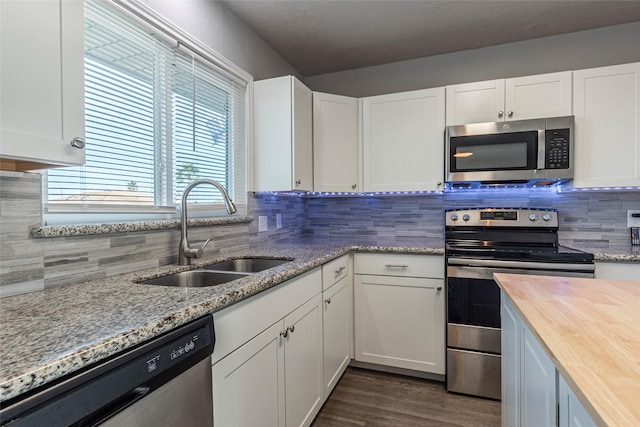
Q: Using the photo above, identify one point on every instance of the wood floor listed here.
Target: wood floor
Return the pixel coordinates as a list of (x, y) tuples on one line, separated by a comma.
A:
[(370, 398)]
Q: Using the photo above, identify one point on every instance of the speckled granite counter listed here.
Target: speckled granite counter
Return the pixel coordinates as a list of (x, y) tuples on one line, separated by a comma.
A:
[(621, 255), (48, 334)]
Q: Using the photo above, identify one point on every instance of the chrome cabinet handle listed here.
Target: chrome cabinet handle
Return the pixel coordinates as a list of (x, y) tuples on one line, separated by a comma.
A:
[(353, 186), (510, 114), (78, 143), (298, 181), (339, 271), (291, 328), (500, 114), (396, 266), (328, 300)]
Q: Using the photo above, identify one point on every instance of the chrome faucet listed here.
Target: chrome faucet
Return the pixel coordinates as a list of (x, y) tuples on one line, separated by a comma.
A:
[(186, 252)]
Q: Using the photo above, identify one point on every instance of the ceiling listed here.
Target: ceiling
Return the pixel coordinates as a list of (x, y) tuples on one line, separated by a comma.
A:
[(324, 36)]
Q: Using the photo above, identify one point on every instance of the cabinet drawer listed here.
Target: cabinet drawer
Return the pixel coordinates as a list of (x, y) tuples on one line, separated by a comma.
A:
[(400, 265), (334, 271)]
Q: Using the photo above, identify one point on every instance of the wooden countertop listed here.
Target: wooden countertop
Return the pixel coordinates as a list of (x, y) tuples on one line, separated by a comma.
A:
[(591, 330)]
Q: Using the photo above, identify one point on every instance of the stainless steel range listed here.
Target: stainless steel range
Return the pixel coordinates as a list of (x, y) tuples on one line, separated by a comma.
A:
[(480, 242)]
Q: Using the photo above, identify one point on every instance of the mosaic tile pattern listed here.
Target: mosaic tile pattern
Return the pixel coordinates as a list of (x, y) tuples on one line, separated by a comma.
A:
[(33, 259)]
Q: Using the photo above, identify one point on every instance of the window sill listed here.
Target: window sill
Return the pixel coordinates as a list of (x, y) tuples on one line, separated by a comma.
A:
[(44, 232)]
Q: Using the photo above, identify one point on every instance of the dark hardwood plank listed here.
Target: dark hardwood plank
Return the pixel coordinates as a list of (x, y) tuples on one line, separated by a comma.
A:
[(372, 399)]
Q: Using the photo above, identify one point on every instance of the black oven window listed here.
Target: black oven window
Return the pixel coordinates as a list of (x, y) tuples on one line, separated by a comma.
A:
[(473, 302)]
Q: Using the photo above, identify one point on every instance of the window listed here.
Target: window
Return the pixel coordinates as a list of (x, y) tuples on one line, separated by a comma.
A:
[(157, 116)]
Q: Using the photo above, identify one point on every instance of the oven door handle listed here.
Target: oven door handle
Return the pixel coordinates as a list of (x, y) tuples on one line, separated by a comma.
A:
[(552, 266), (465, 272), (477, 272)]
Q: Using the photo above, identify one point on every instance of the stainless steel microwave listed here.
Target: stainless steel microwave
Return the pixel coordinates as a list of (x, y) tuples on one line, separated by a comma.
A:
[(523, 152)]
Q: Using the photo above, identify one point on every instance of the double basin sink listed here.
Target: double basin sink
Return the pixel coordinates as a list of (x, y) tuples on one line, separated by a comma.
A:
[(217, 274)]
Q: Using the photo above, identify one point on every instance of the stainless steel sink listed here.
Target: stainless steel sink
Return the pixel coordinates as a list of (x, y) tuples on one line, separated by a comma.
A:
[(246, 265), (196, 279)]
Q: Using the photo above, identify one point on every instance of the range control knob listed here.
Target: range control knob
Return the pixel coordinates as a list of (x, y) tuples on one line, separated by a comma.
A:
[(466, 217), (546, 217), (533, 217), (454, 217)]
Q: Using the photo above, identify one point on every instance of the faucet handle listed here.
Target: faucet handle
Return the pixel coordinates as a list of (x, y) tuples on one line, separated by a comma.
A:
[(195, 252), (201, 250)]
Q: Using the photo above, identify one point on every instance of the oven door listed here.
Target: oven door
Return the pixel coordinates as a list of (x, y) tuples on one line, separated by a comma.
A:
[(473, 336), (473, 314)]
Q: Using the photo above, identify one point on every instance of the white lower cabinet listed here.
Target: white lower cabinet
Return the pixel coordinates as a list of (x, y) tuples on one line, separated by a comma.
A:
[(337, 307), (534, 394), (571, 413), (271, 377), (538, 383), (528, 375), (248, 384), (510, 360), (618, 270), (399, 320), (303, 365)]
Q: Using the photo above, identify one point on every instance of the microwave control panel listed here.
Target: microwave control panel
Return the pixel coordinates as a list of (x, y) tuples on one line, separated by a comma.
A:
[(557, 149)]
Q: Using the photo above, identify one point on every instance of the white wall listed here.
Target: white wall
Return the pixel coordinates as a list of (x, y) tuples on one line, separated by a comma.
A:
[(586, 49), (213, 24)]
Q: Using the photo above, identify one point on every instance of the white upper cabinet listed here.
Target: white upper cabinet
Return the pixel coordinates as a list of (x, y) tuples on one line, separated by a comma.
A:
[(42, 84), (607, 126), (519, 98), (403, 141), (335, 143), (283, 135), (477, 102)]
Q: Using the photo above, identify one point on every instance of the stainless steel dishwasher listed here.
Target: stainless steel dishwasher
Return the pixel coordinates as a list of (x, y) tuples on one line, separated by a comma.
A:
[(163, 382)]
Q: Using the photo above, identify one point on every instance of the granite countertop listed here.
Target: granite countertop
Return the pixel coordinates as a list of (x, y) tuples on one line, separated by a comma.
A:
[(589, 329), (48, 334), (631, 254)]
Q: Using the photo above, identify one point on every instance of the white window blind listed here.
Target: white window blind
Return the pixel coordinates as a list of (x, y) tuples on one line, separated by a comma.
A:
[(157, 117)]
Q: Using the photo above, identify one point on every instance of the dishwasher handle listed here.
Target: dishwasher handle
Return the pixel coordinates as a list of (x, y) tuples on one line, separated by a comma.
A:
[(116, 406)]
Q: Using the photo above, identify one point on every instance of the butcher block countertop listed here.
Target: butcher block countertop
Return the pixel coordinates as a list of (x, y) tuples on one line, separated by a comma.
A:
[(590, 328)]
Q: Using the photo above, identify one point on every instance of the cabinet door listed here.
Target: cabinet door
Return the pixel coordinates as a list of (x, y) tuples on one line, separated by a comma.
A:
[(539, 96), (335, 143), (403, 141), (282, 135), (510, 360), (337, 335), (538, 386), (618, 270), (571, 411), (303, 363), (302, 136), (42, 82), (607, 126), (248, 384), (477, 102), (399, 321)]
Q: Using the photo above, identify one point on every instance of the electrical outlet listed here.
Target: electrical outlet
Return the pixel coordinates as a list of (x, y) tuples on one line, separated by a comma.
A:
[(278, 221), (633, 218), (262, 223)]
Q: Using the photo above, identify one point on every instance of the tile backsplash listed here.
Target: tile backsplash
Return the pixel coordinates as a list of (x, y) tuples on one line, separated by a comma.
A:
[(588, 219), (595, 219)]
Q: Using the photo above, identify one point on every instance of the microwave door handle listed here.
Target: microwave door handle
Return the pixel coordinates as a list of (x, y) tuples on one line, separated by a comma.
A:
[(542, 148)]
